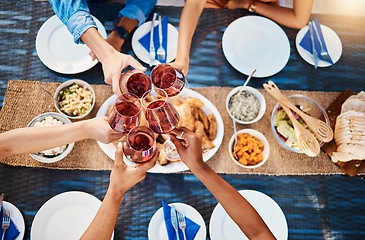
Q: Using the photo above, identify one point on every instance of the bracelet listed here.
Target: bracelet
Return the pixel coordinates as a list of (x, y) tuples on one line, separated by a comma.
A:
[(252, 7), (121, 31)]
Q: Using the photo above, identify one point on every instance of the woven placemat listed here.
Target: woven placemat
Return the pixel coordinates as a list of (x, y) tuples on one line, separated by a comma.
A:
[(24, 100)]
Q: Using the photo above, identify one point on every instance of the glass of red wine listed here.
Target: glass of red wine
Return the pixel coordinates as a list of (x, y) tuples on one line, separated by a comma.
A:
[(135, 82), (125, 113), (140, 144), (166, 77)]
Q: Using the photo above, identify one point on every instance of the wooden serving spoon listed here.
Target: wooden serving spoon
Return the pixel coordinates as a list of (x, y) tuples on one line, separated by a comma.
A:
[(321, 130), (306, 140)]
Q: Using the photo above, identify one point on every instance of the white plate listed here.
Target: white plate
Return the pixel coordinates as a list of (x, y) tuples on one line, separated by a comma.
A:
[(208, 108), (17, 218), (58, 51), (65, 216), (143, 54), (333, 44), (256, 42), (222, 227), (157, 228)]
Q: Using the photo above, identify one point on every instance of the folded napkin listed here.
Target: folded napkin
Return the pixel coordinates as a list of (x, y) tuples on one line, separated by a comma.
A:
[(12, 232), (191, 230), (307, 44), (145, 40)]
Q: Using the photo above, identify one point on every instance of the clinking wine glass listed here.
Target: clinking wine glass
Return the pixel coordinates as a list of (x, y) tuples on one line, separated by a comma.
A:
[(125, 113), (135, 82), (167, 78), (140, 144)]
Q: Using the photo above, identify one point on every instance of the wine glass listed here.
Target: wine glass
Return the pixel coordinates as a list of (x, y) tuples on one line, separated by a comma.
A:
[(166, 77), (125, 113), (135, 82), (140, 144)]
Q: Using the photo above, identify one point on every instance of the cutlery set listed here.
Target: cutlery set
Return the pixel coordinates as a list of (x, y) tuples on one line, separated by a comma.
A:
[(178, 221), (313, 31), (161, 52)]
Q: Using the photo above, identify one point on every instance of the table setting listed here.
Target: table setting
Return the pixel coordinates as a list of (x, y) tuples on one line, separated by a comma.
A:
[(290, 189)]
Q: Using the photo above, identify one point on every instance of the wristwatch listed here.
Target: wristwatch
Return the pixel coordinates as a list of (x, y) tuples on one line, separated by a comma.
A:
[(252, 7), (122, 33)]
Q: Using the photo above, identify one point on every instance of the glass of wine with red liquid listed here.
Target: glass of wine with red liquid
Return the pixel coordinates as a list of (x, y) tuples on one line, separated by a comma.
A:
[(140, 144), (135, 82), (125, 113), (166, 77)]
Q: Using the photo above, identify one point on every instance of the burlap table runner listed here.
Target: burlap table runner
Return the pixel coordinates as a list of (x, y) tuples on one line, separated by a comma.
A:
[(24, 100)]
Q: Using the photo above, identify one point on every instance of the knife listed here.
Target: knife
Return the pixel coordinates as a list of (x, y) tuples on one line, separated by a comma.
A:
[(174, 222), (1, 200), (152, 45), (314, 52)]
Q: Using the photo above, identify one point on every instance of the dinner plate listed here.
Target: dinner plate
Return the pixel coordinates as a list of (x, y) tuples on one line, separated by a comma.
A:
[(17, 218), (65, 216), (222, 227), (58, 51), (333, 44), (255, 42), (157, 228), (143, 54), (109, 149)]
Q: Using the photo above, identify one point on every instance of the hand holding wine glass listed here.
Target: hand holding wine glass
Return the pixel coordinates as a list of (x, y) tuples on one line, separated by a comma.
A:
[(167, 78), (135, 82)]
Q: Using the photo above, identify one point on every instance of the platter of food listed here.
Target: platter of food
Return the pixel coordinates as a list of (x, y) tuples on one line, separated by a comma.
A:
[(196, 112), (347, 116)]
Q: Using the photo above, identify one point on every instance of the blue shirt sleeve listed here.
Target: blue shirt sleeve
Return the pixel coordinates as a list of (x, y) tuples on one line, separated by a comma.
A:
[(75, 15), (138, 10)]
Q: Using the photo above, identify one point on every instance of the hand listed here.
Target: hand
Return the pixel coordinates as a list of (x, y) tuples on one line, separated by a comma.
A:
[(123, 177), (182, 65), (101, 131), (190, 148)]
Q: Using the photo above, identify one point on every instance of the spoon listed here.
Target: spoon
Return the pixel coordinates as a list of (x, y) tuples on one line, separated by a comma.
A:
[(58, 104), (306, 141), (321, 130), (246, 82), (235, 135)]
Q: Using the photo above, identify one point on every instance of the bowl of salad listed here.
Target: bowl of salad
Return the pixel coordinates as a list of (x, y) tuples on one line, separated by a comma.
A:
[(283, 128)]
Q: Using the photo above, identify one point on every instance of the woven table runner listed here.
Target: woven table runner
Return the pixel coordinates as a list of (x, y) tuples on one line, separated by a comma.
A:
[(24, 100)]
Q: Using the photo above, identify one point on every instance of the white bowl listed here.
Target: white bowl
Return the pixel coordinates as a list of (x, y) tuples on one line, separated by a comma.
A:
[(259, 97), (81, 83), (51, 159), (261, 137)]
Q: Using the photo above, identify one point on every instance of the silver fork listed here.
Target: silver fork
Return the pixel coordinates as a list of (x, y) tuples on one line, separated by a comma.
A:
[(160, 51), (6, 222), (182, 223), (323, 52)]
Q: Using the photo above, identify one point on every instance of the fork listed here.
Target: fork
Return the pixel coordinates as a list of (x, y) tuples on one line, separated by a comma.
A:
[(6, 222), (323, 52), (160, 51), (182, 223)]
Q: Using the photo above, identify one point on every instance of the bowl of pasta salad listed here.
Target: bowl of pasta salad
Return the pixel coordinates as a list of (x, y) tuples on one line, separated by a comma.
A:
[(76, 98), (57, 153)]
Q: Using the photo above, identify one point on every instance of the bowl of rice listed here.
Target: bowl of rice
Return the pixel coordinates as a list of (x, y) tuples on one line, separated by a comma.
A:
[(57, 153), (76, 98)]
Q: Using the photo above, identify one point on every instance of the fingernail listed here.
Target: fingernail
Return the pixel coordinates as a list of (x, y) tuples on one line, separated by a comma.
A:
[(119, 144)]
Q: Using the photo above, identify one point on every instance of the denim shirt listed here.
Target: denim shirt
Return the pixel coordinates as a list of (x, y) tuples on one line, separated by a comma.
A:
[(76, 14)]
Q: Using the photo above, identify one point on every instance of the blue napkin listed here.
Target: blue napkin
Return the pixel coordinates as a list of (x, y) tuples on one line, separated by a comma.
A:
[(191, 230), (307, 45), (12, 232), (145, 40)]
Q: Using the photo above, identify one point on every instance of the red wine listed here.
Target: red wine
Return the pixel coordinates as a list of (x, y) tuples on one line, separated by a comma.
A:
[(170, 79), (124, 117), (161, 116), (138, 84), (141, 145)]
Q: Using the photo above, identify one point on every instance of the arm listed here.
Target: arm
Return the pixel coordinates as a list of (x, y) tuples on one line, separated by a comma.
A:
[(296, 17), (188, 21), (122, 178), (35, 139), (236, 206)]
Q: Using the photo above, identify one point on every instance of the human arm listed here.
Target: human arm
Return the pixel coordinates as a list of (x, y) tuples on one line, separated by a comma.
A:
[(122, 178), (36, 139), (236, 206), (188, 22), (296, 17)]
